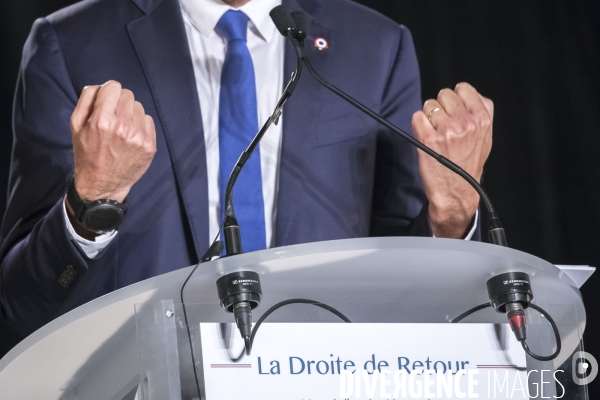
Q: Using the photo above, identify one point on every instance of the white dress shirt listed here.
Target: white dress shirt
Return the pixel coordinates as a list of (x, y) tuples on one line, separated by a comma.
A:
[(208, 50), (266, 46)]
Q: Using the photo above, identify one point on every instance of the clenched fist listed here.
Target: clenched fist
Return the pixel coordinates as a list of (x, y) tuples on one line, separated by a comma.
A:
[(114, 142), (458, 125)]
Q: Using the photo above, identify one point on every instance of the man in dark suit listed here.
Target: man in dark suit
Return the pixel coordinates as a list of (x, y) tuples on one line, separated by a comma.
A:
[(141, 137)]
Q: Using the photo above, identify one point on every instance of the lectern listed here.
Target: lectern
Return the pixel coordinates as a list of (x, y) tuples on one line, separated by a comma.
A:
[(137, 337)]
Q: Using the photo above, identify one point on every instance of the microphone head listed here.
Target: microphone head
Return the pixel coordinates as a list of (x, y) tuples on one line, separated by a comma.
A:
[(282, 19), (300, 22)]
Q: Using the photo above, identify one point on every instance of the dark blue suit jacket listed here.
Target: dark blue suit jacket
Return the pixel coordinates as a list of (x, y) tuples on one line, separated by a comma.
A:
[(341, 175)]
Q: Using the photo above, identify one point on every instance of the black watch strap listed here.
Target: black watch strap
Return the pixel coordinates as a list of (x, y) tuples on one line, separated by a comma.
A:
[(98, 216)]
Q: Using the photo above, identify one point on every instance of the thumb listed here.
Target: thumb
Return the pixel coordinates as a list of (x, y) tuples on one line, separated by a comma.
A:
[(84, 108)]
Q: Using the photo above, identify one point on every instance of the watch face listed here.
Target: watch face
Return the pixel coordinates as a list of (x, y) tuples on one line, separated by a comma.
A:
[(102, 218)]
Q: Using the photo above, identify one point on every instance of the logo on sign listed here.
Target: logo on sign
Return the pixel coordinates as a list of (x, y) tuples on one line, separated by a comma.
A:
[(244, 281), (518, 282)]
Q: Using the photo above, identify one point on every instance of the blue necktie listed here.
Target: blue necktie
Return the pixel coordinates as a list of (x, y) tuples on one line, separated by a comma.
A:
[(238, 123)]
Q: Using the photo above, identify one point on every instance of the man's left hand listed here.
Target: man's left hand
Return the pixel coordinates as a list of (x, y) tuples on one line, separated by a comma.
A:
[(458, 125)]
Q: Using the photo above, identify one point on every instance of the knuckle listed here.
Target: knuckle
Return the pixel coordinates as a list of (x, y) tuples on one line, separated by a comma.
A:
[(470, 127), (485, 120), (121, 129), (150, 147), (104, 122), (137, 141), (465, 125)]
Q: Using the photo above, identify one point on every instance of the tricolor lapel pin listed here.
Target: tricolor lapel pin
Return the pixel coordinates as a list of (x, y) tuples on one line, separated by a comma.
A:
[(321, 44)]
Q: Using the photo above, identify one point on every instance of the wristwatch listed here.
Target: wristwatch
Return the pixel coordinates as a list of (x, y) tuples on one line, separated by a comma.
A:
[(98, 216)]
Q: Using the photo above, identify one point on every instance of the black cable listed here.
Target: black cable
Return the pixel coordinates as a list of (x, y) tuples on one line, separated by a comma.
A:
[(471, 311), (294, 301), (206, 257), (189, 335), (523, 343), (556, 337), (443, 160), (276, 307)]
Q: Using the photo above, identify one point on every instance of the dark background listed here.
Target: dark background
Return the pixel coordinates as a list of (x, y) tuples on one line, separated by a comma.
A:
[(540, 63)]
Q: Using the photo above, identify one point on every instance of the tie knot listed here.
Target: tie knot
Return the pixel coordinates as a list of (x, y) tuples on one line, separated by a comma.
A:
[(233, 25)]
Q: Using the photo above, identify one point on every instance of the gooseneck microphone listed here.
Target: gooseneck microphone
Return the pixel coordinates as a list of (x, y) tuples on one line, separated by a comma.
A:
[(242, 309), (231, 230), (240, 292), (495, 229)]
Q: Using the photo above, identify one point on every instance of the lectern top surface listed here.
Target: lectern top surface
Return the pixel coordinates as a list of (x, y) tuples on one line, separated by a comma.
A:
[(417, 279)]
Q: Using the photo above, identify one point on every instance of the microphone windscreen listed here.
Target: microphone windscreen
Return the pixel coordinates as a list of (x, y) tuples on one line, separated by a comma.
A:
[(299, 20), (282, 19)]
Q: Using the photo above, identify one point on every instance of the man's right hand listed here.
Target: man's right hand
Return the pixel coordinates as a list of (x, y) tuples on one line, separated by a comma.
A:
[(114, 142)]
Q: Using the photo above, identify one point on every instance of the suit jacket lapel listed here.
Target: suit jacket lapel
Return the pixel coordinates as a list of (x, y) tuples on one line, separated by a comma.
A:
[(161, 44), (300, 120)]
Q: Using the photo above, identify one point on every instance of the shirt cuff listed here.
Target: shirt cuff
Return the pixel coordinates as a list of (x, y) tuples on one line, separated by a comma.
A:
[(473, 228), (92, 249)]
